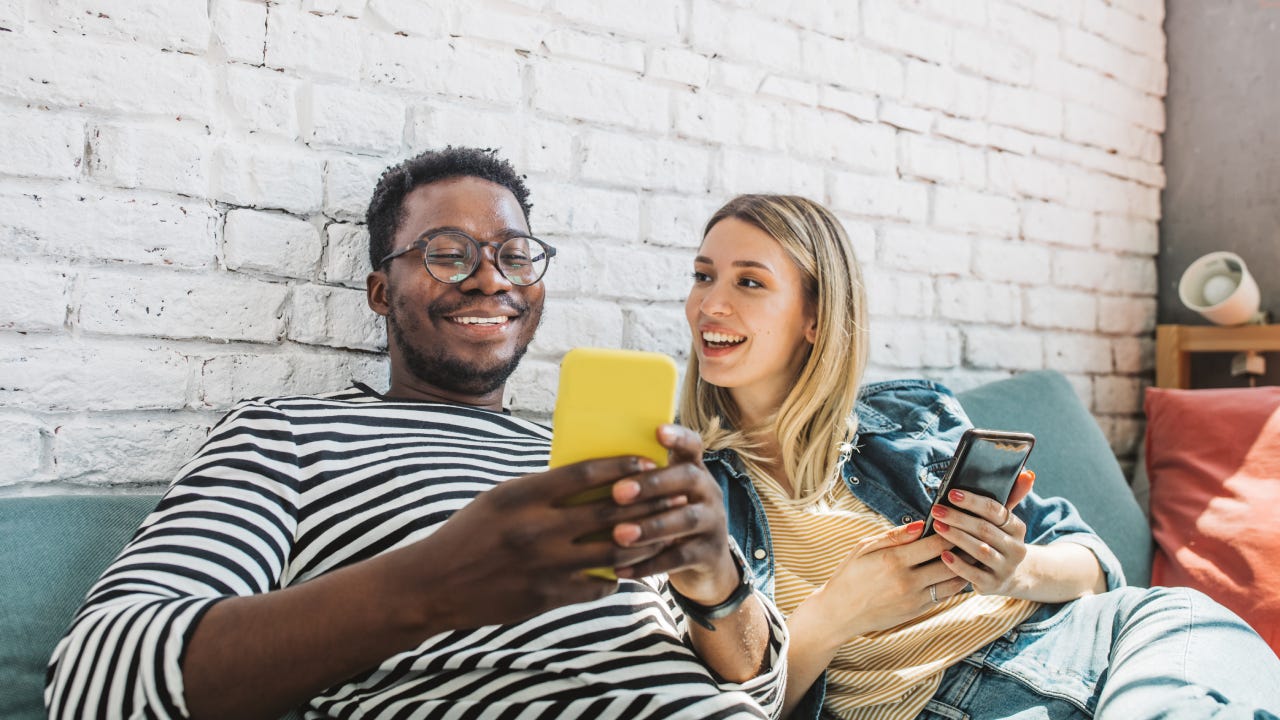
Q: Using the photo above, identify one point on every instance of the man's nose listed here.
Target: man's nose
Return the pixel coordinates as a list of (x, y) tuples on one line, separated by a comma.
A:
[(487, 278)]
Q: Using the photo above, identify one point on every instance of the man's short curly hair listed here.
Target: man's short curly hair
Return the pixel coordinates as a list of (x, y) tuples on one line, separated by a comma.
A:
[(386, 207)]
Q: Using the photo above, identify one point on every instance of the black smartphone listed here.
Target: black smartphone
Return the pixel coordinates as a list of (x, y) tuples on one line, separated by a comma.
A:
[(986, 462)]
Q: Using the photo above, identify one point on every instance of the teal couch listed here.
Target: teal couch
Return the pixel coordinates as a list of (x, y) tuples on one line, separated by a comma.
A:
[(53, 548)]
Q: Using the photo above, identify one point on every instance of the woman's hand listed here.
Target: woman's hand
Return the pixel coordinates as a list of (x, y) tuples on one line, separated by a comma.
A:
[(990, 538), (885, 581)]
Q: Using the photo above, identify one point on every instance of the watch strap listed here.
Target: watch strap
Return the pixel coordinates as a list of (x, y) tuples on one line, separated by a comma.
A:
[(704, 614)]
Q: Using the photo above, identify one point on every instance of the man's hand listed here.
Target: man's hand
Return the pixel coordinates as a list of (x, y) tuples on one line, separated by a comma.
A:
[(517, 550), (690, 541)]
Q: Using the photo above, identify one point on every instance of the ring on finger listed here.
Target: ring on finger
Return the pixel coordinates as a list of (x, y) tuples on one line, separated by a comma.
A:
[(1008, 515), (933, 593)]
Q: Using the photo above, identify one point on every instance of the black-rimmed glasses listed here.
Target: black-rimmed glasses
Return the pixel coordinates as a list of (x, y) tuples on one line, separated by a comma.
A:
[(451, 256)]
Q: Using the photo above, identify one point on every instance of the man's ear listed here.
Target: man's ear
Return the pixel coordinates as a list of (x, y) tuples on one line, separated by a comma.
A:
[(376, 292)]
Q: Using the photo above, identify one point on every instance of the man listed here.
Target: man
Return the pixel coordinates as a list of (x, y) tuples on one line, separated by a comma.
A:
[(407, 554)]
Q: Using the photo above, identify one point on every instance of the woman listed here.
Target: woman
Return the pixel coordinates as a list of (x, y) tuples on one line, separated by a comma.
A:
[(998, 613)]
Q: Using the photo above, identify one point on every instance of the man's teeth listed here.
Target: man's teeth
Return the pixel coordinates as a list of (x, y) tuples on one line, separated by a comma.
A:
[(722, 338), (480, 320)]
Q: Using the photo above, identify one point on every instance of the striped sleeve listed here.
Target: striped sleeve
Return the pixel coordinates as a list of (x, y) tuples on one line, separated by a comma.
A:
[(225, 528), (768, 687)]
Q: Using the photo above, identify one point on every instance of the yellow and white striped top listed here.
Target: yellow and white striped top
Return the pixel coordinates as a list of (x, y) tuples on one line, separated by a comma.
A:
[(892, 673)]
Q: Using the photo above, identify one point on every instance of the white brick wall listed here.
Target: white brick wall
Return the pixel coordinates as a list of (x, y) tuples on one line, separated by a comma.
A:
[(182, 187)]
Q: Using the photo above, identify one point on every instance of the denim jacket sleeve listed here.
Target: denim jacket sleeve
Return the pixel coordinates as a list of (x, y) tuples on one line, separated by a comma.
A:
[(908, 430)]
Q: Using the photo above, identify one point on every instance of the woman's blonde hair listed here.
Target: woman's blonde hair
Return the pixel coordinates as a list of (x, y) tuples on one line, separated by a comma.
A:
[(816, 417)]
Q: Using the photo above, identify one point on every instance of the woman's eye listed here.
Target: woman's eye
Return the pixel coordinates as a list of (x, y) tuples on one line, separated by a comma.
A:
[(700, 277), (749, 283)]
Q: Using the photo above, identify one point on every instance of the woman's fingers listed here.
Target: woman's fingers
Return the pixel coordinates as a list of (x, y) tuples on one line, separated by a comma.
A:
[(889, 538)]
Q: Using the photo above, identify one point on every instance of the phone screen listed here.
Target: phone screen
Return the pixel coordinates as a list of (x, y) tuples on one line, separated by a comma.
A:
[(986, 462)]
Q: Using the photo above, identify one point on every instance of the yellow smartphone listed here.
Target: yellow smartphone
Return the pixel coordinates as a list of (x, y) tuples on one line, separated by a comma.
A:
[(610, 402)]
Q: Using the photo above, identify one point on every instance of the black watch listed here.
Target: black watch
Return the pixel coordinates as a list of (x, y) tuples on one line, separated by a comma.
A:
[(704, 614)]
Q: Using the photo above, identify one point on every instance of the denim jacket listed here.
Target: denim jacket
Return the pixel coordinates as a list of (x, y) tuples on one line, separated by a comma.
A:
[(907, 432)]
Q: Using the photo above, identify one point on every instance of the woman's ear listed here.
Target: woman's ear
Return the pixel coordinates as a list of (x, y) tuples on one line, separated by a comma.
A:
[(376, 292), (811, 332)]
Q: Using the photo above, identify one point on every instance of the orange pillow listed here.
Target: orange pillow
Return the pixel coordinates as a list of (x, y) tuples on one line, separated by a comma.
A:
[(1213, 458)]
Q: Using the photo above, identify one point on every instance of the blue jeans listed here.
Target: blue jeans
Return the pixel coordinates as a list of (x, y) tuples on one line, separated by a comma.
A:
[(1169, 653)]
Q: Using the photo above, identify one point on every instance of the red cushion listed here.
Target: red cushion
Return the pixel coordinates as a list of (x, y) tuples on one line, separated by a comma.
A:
[(1213, 458)]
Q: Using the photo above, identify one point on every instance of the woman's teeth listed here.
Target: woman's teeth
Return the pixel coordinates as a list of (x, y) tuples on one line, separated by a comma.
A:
[(722, 339)]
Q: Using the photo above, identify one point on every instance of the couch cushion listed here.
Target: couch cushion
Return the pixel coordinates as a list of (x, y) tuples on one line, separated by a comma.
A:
[(1213, 457), (1072, 459), (51, 550)]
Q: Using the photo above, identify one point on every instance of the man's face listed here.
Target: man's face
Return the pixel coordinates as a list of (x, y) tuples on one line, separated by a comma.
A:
[(464, 338)]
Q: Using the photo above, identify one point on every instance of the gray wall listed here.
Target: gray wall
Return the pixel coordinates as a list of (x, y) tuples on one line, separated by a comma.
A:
[(1222, 154)]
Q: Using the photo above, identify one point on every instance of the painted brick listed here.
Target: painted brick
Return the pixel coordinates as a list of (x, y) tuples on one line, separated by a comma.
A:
[(599, 95), (1025, 176), (240, 29), (743, 35), (627, 161), (342, 117), (324, 45), (531, 390), (346, 8), (886, 24), (1086, 125), (182, 305), (567, 324), (263, 101), (1057, 225), (334, 317), (1053, 308), (13, 16), (721, 119), (676, 220), (433, 19), (679, 65), (905, 117), (879, 197), (940, 160), (895, 294), (348, 186), (783, 88), (59, 374), (169, 25), (595, 48), (1150, 10), (862, 235), (1013, 261), (450, 68), (517, 29), (1116, 394), (1104, 272), (77, 222), (1134, 355), (965, 300), (851, 65), (1035, 32), (853, 104), (590, 212), (438, 127), (272, 243), (907, 248), (638, 274), (224, 380), (165, 157), (985, 56), (1128, 235), (834, 136), (269, 176), (742, 172), (916, 345), (968, 211), (75, 72), (942, 88), (661, 19), (108, 451), (1029, 110), (346, 256), (1127, 316), (990, 348), (658, 329), (1143, 37), (837, 19), (1136, 71), (40, 143), (549, 148), (34, 297), (22, 451)]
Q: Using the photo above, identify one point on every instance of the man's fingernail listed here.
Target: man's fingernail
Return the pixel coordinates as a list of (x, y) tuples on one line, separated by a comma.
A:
[(646, 464), (1032, 473), (626, 533), (666, 432), (626, 490)]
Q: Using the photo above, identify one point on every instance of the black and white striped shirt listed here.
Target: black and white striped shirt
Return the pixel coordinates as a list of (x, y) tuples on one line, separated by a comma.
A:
[(286, 489)]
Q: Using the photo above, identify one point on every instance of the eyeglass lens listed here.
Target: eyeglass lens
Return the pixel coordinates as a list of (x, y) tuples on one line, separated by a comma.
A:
[(452, 257)]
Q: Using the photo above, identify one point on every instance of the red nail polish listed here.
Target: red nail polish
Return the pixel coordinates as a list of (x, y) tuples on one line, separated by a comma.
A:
[(941, 526), (940, 511), (948, 557), (957, 495)]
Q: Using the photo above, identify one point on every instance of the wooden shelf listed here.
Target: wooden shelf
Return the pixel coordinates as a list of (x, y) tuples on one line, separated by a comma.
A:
[(1175, 343)]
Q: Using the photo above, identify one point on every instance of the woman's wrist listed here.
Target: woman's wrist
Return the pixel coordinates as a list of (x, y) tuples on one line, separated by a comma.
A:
[(810, 626)]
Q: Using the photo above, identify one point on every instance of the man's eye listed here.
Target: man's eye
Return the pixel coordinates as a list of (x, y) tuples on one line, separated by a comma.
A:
[(445, 257)]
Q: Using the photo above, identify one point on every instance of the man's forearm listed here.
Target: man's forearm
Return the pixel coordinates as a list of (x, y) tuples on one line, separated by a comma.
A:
[(259, 656)]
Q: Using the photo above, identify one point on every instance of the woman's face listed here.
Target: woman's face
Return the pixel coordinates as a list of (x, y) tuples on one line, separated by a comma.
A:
[(751, 324)]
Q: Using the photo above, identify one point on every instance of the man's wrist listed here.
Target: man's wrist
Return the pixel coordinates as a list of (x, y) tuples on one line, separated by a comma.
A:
[(705, 614)]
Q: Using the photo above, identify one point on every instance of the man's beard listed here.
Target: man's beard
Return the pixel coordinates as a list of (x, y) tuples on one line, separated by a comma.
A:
[(431, 363)]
